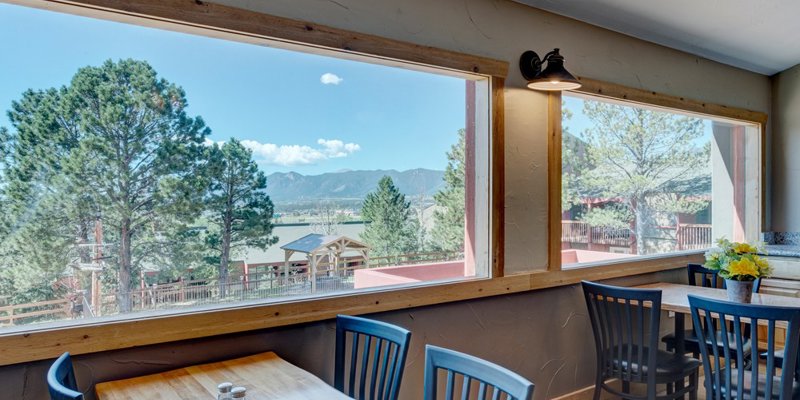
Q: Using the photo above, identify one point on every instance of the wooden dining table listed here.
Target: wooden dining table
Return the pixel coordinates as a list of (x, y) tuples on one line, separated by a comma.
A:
[(674, 297), (266, 376)]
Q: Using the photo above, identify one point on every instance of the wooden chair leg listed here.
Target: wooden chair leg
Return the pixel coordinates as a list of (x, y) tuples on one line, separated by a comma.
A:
[(693, 380), (652, 392), (679, 386), (597, 391), (598, 387)]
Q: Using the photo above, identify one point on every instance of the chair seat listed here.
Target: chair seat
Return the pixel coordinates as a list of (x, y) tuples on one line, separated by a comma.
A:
[(776, 382), (778, 356), (692, 344), (669, 366)]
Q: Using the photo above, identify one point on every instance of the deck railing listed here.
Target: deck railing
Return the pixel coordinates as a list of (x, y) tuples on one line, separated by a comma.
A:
[(694, 236), (687, 236), (266, 281), (415, 258), (269, 281), (574, 232), (582, 232), (41, 310), (611, 236)]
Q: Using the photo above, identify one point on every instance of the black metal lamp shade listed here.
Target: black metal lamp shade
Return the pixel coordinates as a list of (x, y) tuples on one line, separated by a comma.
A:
[(553, 77)]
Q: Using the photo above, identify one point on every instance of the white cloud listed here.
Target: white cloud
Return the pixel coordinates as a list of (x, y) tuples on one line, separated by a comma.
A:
[(294, 154), (330, 79), (336, 148)]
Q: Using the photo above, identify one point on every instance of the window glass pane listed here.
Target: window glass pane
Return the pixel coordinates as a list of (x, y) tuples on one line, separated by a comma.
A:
[(640, 180), (150, 169)]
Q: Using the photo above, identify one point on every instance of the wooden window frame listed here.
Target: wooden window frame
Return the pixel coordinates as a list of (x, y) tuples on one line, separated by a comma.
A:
[(35, 342), (634, 96), (31, 343)]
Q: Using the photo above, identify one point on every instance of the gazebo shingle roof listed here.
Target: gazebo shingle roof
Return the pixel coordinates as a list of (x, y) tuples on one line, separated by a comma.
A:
[(314, 241)]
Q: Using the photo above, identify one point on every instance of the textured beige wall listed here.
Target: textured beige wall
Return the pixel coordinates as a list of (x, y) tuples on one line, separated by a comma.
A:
[(786, 145), (543, 334), (503, 30)]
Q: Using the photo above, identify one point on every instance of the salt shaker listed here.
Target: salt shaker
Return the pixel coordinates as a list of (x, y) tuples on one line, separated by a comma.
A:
[(238, 393), (224, 391)]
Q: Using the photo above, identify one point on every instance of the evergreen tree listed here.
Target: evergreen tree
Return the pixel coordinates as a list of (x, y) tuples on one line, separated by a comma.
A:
[(391, 229), (114, 144), (448, 228), (41, 221), (575, 164), (638, 154), (239, 209)]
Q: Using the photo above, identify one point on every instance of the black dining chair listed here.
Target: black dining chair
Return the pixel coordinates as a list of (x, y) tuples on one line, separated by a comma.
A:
[(478, 377), (701, 276), (370, 357), (625, 323), (61, 380), (725, 381)]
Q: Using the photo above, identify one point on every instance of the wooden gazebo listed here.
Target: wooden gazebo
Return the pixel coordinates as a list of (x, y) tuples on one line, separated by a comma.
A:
[(319, 248)]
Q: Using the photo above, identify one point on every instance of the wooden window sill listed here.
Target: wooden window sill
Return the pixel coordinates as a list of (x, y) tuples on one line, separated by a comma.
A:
[(143, 329)]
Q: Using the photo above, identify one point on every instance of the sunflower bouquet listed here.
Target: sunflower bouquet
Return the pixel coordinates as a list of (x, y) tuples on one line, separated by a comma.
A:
[(737, 261)]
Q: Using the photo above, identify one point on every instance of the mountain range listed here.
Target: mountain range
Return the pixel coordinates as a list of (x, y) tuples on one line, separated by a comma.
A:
[(286, 187)]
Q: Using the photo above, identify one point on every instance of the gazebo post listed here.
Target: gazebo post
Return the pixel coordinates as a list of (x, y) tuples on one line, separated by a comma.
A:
[(313, 272), (286, 257), (317, 247)]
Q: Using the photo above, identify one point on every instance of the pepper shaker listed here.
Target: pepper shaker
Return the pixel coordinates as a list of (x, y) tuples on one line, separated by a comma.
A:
[(224, 391), (238, 392)]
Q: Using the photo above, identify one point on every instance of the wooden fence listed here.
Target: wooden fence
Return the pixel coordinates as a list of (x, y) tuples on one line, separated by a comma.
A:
[(40, 310), (582, 232), (266, 281), (694, 236), (415, 258), (687, 236)]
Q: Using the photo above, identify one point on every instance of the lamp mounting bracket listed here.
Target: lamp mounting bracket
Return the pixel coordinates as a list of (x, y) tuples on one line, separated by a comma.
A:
[(531, 65)]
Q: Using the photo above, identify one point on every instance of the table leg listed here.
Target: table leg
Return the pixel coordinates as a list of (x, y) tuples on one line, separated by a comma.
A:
[(680, 345), (680, 328)]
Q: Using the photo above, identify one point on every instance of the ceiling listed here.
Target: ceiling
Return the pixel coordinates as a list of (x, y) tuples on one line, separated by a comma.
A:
[(760, 36)]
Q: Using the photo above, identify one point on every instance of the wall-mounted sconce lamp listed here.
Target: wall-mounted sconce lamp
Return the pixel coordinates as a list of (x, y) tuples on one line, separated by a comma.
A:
[(554, 76)]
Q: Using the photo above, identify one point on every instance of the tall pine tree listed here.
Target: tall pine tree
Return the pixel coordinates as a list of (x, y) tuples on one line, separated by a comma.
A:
[(448, 229), (114, 144), (391, 229), (637, 154), (238, 206), (41, 220)]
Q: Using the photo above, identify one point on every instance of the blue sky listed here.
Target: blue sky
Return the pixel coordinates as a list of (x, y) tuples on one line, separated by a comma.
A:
[(363, 116), (580, 122)]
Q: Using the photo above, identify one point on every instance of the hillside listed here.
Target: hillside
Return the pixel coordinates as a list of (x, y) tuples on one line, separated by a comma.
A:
[(287, 187)]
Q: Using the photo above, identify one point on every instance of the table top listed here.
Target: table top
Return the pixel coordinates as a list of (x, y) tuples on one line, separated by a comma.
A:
[(674, 296), (266, 376)]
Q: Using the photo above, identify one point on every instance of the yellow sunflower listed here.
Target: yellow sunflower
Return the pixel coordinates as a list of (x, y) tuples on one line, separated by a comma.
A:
[(743, 267)]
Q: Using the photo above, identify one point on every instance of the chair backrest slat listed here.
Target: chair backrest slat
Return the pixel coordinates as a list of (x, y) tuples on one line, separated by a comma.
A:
[(375, 374), (61, 380), (723, 380), (488, 375)]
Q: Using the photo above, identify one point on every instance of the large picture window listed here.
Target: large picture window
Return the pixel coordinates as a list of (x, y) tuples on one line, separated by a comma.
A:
[(641, 181), (146, 169)]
